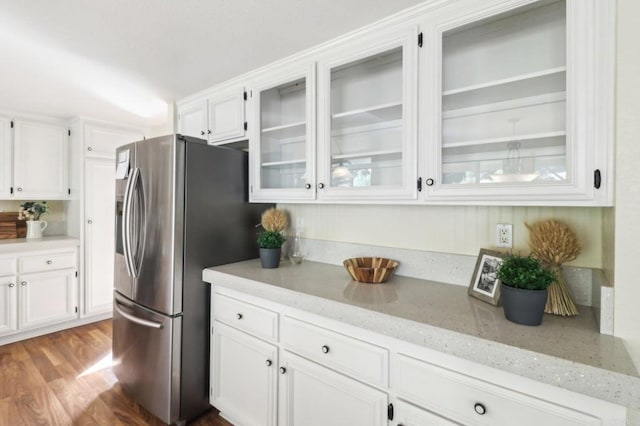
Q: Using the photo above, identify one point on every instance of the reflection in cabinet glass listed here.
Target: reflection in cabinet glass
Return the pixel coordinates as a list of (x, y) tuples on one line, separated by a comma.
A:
[(366, 122), (504, 98), (283, 130)]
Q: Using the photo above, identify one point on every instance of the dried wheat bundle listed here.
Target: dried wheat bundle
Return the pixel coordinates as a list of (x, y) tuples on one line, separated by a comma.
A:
[(274, 220), (554, 243)]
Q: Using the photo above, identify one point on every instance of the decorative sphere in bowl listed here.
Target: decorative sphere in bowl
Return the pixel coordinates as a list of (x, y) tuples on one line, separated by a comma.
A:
[(370, 269)]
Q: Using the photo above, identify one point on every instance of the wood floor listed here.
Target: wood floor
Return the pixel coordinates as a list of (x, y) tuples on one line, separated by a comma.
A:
[(49, 380)]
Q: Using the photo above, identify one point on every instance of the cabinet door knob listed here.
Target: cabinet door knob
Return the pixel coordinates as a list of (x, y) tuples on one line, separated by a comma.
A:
[(321, 185), (429, 182), (89, 221), (89, 149), (325, 349), (49, 262), (479, 408), (283, 370), (239, 316), (208, 132), (308, 186), (202, 132), (23, 283), (11, 285), (19, 189), (268, 363)]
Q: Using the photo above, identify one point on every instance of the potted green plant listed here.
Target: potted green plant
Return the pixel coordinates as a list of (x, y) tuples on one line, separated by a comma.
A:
[(271, 238), (523, 288)]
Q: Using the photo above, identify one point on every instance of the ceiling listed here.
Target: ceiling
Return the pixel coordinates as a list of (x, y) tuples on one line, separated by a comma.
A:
[(126, 61)]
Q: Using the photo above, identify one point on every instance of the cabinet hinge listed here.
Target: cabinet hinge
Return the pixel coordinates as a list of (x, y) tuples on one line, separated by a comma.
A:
[(11, 191), (250, 189), (12, 124), (69, 132), (390, 411), (420, 40), (245, 125), (245, 95), (597, 179), (76, 274), (69, 191), (76, 309), (419, 184)]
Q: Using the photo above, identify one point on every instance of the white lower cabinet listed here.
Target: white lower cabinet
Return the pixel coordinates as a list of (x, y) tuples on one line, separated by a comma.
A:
[(313, 395), (410, 415), (8, 302), (330, 373), (46, 298), (38, 289), (243, 376)]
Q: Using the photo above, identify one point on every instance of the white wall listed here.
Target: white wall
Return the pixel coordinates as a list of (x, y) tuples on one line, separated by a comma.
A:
[(627, 222)]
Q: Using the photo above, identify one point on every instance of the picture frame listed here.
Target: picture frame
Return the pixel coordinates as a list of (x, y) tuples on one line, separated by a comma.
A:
[(485, 285)]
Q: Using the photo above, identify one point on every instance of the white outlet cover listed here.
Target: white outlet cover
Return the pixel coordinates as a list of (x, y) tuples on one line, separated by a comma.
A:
[(504, 235)]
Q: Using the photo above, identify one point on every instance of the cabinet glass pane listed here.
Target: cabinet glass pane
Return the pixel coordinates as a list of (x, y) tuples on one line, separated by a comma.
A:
[(366, 122), (504, 98), (283, 130)]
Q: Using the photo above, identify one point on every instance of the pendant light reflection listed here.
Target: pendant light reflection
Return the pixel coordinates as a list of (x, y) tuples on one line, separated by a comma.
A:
[(341, 175)]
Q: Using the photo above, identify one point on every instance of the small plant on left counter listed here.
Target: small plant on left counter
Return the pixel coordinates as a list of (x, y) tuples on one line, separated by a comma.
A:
[(271, 238), (31, 211)]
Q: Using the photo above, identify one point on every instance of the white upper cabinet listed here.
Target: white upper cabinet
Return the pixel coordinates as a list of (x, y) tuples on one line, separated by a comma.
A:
[(367, 96), (102, 141), (282, 135), (6, 163), (192, 119), (41, 152), (226, 115), (516, 106)]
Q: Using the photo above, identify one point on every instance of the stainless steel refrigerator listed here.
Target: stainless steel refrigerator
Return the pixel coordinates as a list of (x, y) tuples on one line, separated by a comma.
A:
[(181, 205)]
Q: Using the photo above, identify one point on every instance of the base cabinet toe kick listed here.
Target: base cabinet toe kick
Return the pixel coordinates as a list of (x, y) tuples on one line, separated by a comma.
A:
[(275, 365)]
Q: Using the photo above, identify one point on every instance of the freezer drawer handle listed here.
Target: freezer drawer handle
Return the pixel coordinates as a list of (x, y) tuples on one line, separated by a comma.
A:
[(135, 319)]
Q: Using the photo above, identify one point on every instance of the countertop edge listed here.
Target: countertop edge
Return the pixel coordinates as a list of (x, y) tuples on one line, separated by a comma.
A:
[(588, 380), (20, 245)]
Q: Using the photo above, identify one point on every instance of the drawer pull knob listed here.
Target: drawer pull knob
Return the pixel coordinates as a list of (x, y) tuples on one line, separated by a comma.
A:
[(89, 149), (11, 285), (325, 349), (239, 316), (321, 185), (49, 262), (23, 283), (268, 362), (480, 409), (283, 370), (19, 189), (308, 186)]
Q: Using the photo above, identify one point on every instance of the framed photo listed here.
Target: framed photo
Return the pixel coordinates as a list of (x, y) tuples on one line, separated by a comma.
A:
[(485, 284)]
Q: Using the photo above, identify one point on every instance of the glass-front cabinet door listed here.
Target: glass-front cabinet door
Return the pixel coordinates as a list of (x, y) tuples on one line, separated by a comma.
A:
[(282, 142), (513, 109), (366, 118)]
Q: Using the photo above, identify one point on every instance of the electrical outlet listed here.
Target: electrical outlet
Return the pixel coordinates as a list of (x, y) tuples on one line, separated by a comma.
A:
[(504, 235)]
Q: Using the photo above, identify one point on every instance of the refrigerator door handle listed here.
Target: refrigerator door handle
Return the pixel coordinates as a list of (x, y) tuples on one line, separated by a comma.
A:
[(133, 318), (126, 226), (137, 194)]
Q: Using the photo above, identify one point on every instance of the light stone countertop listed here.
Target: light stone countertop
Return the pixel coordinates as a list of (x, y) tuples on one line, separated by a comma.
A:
[(17, 245), (565, 352)]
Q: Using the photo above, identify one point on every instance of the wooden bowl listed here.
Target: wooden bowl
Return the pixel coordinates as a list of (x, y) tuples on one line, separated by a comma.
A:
[(370, 269)]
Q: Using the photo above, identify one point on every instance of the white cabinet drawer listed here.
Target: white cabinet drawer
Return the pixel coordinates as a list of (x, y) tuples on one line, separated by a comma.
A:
[(7, 266), (351, 356), (47, 262), (245, 316), (463, 399)]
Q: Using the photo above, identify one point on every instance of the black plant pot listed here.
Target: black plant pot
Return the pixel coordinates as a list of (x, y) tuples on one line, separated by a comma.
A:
[(521, 306), (270, 258)]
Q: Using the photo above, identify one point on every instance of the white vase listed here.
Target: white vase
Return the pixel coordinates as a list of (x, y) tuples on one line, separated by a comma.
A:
[(35, 228)]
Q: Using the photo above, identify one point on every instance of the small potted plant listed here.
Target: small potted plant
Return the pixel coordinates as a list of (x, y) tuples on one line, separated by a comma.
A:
[(271, 238), (31, 211), (524, 283)]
